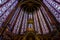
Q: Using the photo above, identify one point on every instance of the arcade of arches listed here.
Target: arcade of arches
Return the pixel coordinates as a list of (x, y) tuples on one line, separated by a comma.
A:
[(29, 19)]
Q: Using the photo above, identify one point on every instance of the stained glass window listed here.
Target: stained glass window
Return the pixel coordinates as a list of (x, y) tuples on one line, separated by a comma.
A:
[(18, 19), (53, 6), (5, 10)]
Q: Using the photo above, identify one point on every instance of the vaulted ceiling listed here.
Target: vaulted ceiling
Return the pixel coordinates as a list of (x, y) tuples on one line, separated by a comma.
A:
[(29, 5)]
